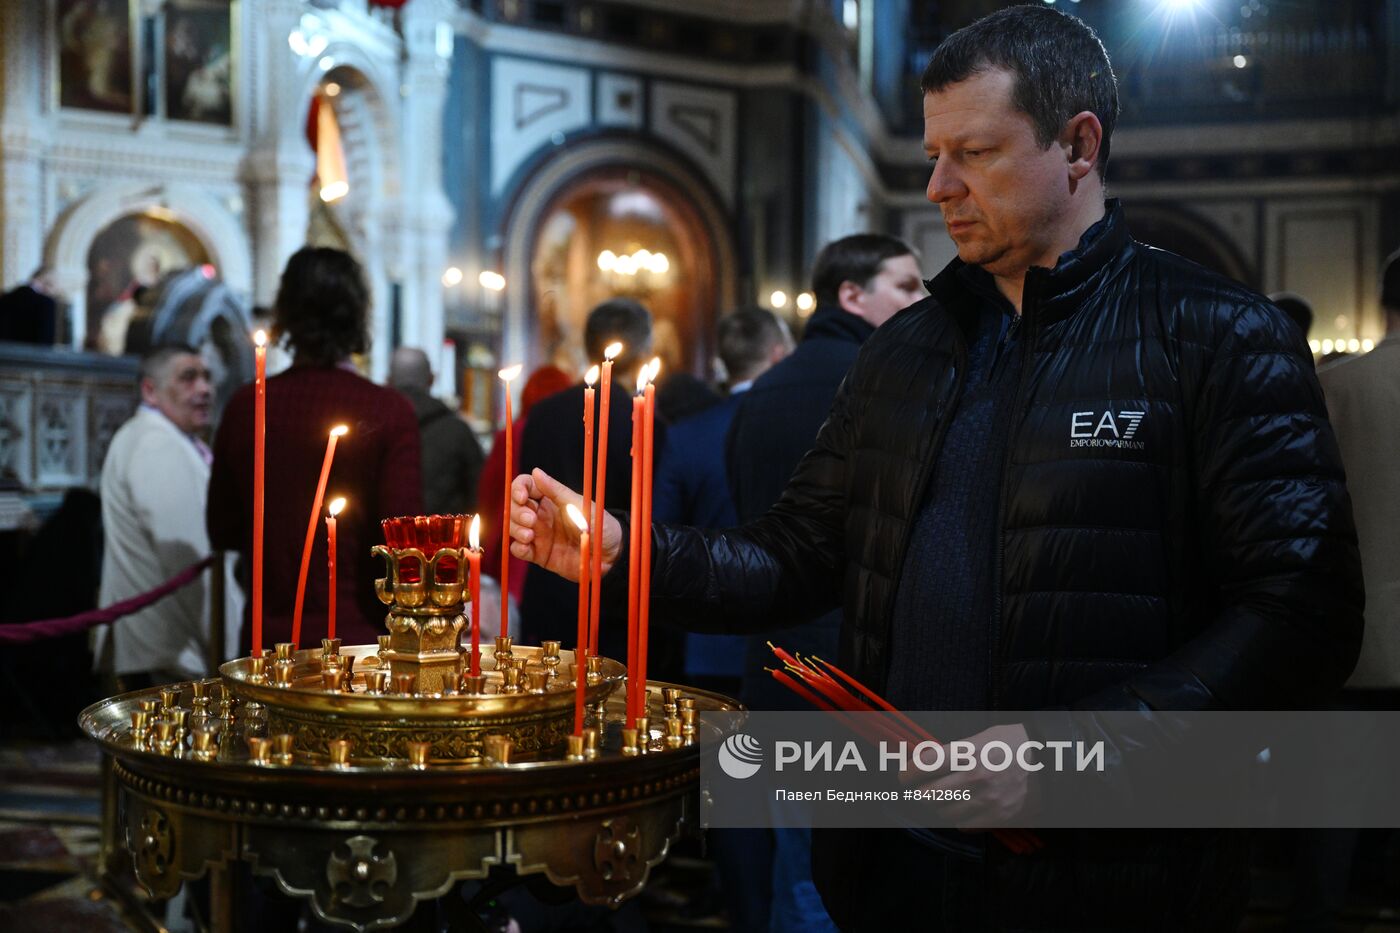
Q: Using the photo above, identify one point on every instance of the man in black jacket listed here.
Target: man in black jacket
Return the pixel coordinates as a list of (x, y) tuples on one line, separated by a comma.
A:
[(1133, 458)]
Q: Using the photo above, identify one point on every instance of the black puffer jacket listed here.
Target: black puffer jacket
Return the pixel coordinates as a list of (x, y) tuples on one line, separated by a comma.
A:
[(1175, 528)]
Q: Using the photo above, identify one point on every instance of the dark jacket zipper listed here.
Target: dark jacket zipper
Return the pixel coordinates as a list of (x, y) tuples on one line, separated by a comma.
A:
[(1027, 358)]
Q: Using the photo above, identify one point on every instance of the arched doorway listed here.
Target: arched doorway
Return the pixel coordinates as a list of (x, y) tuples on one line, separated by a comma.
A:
[(1188, 236), (617, 232), (697, 218)]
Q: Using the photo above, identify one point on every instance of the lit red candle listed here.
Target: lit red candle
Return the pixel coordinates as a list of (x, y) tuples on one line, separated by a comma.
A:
[(335, 508), (634, 566), (581, 646), (644, 582), (337, 432), (610, 353), (474, 588), (589, 379), (507, 374), (259, 449)]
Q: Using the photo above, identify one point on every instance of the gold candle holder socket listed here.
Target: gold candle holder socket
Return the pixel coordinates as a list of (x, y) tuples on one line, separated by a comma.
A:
[(674, 738), (503, 645), (595, 670), (340, 751), (384, 644), (257, 670), (590, 743), (376, 681), (549, 657), (670, 694), (418, 754), (330, 679), (629, 742), (575, 748), (472, 684), (539, 681), (199, 690), (498, 748), (330, 662), (282, 745), (205, 742), (169, 697), (688, 725), (284, 650), (181, 718), (150, 706), (330, 646), (403, 684), (227, 706), (258, 749), (140, 725), (283, 674), (347, 663), (643, 733), (346, 681), (686, 703), (164, 731)]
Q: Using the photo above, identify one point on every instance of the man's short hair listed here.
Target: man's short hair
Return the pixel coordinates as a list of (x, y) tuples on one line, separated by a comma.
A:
[(618, 319), (1390, 283), (409, 369), (853, 259), (155, 364), (1059, 64), (746, 340)]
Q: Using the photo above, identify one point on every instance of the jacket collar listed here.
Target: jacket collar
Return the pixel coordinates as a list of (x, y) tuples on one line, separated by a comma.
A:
[(834, 323), (1055, 292)]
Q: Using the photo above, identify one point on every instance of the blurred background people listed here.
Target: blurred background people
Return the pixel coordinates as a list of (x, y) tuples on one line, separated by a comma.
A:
[(451, 455), (553, 441), (320, 311), (29, 312)]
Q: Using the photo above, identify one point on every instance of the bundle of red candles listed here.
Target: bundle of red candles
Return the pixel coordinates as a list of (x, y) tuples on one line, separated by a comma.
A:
[(842, 694)]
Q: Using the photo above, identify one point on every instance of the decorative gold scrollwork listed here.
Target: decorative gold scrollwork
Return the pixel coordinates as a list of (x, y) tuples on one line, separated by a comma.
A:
[(359, 877), (617, 849), (154, 845)]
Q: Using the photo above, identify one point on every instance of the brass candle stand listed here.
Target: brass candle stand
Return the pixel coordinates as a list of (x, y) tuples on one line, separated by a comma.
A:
[(367, 778)]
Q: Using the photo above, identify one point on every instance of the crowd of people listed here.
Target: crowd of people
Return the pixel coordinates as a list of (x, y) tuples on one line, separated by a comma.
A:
[(933, 484)]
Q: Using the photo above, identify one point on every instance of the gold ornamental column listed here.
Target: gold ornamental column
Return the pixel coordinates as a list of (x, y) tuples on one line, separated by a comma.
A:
[(426, 596)]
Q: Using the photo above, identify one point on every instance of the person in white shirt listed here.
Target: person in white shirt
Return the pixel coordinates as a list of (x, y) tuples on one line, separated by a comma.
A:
[(154, 482)]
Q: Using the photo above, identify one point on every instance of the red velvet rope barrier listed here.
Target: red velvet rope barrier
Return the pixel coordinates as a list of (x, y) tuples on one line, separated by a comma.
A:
[(26, 632)]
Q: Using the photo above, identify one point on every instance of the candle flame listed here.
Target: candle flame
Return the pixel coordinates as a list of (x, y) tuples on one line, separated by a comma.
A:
[(340, 430), (576, 517), (612, 351), (260, 337), (510, 372), (336, 506), (591, 376), (642, 378), (474, 533), (655, 367)]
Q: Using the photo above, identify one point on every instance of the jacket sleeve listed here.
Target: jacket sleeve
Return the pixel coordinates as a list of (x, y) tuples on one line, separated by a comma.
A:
[(668, 494), (780, 570), (1275, 531)]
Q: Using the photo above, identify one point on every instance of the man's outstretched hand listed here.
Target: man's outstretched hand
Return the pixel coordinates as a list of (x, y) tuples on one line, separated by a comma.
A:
[(541, 532)]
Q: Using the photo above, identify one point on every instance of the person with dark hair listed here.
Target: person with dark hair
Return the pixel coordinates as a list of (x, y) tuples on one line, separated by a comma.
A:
[(155, 479), (29, 313), (869, 275), (553, 440), (320, 312), (1081, 474), (452, 456), (1298, 309)]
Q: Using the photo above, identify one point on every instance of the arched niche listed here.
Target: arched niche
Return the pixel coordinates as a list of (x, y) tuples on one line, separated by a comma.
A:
[(1189, 236), (206, 220), (613, 165)]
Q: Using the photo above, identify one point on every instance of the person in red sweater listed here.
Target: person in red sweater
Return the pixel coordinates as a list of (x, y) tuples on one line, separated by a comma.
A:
[(321, 309)]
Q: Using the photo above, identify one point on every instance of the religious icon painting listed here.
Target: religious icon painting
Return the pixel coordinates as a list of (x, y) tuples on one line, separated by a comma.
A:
[(198, 74), (95, 55)]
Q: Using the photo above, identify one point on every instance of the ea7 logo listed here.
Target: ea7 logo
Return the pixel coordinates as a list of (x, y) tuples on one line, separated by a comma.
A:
[(1109, 429)]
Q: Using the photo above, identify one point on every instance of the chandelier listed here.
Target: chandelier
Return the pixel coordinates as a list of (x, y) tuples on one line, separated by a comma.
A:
[(638, 271)]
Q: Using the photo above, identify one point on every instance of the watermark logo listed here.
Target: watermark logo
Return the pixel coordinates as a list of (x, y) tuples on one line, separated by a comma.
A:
[(741, 756), (1093, 429)]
